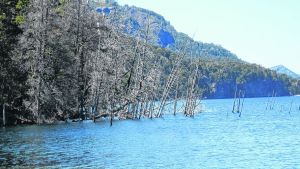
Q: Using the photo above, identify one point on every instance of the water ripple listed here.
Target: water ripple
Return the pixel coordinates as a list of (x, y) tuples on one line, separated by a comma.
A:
[(215, 138)]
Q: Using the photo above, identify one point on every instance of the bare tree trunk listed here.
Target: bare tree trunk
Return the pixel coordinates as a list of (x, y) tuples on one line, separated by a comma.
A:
[(234, 102), (147, 109), (136, 110), (186, 102), (176, 98), (4, 118), (37, 97), (191, 97), (167, 90), (274, 99), (239, 102), (39, 62), (242, 105), (291, 105), (271, 101), (141, 110), (151, 110), (111, 118), (79, 55)]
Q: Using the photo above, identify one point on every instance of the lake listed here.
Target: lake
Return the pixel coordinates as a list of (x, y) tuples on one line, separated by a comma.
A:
[(215, 138)]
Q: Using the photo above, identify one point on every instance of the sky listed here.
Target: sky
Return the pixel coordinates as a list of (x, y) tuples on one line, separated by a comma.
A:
[(266, 32)]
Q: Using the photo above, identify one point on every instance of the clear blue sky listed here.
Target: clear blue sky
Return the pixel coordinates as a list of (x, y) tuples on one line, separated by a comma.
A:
[(266, 32)]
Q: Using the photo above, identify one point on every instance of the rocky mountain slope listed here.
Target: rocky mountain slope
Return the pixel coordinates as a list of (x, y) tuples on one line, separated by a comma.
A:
[(153, 28)]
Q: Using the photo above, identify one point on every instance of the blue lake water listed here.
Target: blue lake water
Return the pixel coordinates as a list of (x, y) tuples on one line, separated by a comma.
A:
[(216, 138)]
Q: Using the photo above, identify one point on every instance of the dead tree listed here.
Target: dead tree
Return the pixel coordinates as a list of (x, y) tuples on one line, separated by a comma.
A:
[(173, 76), (168, 87), (192, 95), (271, 101), (235, 98), (238, 103), (291, 106), (3, 115), (242, 106), (176, 98)]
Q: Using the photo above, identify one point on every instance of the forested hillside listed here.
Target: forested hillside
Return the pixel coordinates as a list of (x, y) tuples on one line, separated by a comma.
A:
[(62, 59), (222, 78)]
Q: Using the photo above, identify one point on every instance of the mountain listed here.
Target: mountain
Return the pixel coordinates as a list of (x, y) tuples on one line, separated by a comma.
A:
[(145, 24), (137, 19), (284, 70)]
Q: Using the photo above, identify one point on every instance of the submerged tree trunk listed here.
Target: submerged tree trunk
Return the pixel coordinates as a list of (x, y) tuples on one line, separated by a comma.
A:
[(291, 106), (192, 96), (111, 118), (239, 102), (234, 102), (242, 105), (167, 88), (176, 98)]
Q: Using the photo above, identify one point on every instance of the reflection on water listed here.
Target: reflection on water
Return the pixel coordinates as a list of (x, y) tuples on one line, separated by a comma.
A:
[(215, 138)]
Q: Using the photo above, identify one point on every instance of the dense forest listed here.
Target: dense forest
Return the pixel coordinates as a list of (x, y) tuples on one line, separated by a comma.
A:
[(62, 60)]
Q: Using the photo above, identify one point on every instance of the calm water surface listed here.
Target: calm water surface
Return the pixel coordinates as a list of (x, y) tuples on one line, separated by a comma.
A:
[(215, 138)]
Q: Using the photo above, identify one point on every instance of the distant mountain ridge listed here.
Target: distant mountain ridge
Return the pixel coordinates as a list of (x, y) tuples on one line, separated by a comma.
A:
[(135, 21), (280, 69)]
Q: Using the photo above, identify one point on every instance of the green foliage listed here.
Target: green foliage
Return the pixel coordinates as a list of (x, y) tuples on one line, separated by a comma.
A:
[(20, 19), (63, 2), (21, 4), (2, 17)]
